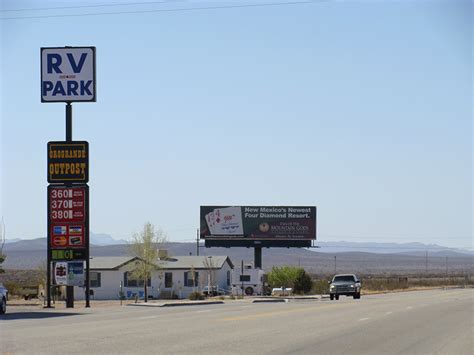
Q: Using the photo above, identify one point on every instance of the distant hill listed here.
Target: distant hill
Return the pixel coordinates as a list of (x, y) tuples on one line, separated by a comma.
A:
[(31, 253), (416, 249)]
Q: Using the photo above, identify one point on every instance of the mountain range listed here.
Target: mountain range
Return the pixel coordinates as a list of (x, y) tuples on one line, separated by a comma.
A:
[(419, 249), (328, 257)]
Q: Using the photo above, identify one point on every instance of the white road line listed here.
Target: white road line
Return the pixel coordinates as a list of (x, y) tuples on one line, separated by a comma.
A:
[(148, 317), (204, 311), (409, 307), (363, 319), (387, 313)]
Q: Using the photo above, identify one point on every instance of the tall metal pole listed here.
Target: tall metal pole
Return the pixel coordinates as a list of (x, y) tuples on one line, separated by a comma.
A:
[(197, 242), (258, 257), (241, 277), (69, 289), (48, 276), (48, 261), (335, 264), (426, 262), (446, 266), (87, 236), (68, 122)]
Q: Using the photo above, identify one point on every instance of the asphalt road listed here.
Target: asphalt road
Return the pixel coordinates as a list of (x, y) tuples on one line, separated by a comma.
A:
[(425, 322)]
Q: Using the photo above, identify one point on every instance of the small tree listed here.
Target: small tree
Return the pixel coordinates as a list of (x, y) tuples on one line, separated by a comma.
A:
[(145, 246), (284, 276), (303, 283), (290, 276), (211, 269)]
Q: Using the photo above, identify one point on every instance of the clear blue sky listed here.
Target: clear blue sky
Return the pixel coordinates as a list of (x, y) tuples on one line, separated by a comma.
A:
[(362, 108)]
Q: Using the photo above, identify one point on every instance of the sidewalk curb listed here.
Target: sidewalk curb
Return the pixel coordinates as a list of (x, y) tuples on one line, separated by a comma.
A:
[(175, 304), (271, 300)]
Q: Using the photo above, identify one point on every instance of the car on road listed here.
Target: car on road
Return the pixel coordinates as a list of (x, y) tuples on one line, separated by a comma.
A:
[(346, 285), (3, 299)]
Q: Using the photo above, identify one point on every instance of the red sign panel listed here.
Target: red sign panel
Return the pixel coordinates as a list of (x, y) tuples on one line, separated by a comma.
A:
[(67, 214)]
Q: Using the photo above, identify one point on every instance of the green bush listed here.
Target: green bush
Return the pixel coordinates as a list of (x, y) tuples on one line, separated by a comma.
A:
[(303, 283), (290, 277), (196, 296), (13, 287), (320, 287)]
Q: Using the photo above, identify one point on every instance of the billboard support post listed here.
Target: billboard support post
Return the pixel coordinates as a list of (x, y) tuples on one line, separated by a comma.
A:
[(258, 257)]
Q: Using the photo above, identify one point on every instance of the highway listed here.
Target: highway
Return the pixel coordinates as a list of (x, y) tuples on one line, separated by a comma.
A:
[(418, 322)]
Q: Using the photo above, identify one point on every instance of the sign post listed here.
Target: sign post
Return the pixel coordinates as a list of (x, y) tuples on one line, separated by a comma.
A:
[(68, 75)]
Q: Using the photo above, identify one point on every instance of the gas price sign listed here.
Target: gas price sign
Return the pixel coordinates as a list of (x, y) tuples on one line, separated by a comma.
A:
[(67, 216)]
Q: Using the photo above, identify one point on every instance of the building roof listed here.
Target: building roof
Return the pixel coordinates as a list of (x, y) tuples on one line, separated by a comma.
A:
[(196, 262), (172, 263), (110, 262)]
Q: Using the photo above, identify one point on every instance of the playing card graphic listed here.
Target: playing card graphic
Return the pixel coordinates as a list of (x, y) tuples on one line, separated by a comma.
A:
[(210, 222), (228, 221)]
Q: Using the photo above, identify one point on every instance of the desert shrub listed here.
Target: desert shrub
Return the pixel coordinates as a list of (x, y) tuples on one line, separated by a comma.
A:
[(13, 287), (290, 277), (320, 287), (195, 296), (303, 283)]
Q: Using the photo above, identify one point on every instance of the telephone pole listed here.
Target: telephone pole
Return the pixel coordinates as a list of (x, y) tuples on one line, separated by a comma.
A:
[(197, 242)]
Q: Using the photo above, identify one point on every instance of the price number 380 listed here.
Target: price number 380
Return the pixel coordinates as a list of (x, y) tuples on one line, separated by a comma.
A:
[(63, 214)]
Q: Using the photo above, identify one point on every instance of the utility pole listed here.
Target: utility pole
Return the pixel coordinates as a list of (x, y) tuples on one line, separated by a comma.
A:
[(335, 264), (241, 277), (426, 262), (197, 242), (446, 266)]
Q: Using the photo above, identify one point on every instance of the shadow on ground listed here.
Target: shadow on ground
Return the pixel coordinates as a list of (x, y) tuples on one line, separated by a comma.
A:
[(35, 315)]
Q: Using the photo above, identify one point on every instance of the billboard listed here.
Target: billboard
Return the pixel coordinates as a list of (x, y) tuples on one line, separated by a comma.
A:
[(68, 74), (258, 223)]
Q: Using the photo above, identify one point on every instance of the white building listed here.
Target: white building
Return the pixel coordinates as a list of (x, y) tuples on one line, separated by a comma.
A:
[(173, 277)]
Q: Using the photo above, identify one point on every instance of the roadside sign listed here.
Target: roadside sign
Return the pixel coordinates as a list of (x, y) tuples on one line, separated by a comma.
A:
[(68, 74), (60, 273), (68, 162), (68, 222), (75, 273), (68, 254)]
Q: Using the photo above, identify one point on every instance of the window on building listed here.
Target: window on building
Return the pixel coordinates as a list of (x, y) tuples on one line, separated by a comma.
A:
[(94, 279), (168, 279), (244, 278), (191, 278), (129, 280), (228, 277)]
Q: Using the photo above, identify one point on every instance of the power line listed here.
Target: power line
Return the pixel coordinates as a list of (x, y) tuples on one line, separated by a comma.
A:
[(169, 10), (93, 6)]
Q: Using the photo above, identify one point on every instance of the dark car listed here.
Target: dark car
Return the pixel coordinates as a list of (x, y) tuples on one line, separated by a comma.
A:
[(3, 299), (346, 285)]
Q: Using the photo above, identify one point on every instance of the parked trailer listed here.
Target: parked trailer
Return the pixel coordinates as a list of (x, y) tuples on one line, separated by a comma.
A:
[(248, 281)]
